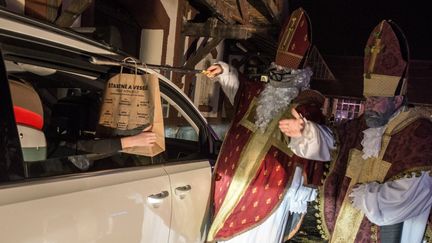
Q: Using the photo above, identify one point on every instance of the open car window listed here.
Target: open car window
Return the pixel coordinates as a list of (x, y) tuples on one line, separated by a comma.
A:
[(63, 140)]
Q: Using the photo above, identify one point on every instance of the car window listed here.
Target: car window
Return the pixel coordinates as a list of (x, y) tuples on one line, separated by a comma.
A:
[(63, 140), (176, 125), (181, 133)]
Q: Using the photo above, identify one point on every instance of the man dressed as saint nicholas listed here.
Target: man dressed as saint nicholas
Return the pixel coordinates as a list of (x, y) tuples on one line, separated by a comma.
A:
[(272, 157)]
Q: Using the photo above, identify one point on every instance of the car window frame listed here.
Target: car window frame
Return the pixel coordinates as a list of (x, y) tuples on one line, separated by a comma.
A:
[(22, 47), (205, 138), (11, 158)]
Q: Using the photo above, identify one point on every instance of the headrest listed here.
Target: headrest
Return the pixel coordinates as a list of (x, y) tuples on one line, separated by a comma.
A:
[(28, 108)]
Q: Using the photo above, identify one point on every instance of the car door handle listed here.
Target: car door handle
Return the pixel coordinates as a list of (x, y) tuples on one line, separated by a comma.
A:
[(182, 191), (156, 199)]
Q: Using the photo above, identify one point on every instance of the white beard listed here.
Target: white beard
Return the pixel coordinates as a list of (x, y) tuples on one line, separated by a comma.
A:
[(277, 96), (271, 101)]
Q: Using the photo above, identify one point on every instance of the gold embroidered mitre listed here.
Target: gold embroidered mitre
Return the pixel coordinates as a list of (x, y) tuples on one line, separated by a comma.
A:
[(385, 62)]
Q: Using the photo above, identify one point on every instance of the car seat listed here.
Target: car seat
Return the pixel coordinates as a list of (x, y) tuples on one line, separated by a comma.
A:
[(28, 111)]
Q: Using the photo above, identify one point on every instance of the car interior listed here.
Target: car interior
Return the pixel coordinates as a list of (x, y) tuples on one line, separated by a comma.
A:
[(57, 111)]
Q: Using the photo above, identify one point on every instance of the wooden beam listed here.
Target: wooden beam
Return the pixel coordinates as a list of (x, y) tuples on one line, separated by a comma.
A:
[(222, 10), (273, 9), (244, 10), (202, 52), (72, 12), (213, 28)]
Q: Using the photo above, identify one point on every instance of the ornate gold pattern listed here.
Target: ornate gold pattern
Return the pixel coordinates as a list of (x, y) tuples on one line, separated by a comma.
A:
[(360, 171), (292, 25), (268, 201), (374, 233), (247, 167), (374, 51), (372, 169), (254, 190), (291, 54), (243, 221)]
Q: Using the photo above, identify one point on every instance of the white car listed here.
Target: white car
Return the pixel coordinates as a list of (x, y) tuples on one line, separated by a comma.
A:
[(50, 191)]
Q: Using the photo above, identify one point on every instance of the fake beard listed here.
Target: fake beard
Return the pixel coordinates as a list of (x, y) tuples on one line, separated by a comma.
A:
[(277, 96), (376, 119), (272, 100)]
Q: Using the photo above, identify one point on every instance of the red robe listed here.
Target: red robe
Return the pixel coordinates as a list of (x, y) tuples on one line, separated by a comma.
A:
[(273, 171), (409, 149)]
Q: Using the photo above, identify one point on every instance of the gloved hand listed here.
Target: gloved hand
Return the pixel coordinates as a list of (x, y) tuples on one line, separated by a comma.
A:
[(213, 71)]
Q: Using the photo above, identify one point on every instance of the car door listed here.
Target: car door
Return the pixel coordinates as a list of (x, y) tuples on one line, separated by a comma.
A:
[(77, 198), (131, 206), (73, 197), (189, 171), (190, 190)]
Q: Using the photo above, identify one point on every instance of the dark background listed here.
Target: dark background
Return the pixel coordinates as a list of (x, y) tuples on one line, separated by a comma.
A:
[(341, 27)]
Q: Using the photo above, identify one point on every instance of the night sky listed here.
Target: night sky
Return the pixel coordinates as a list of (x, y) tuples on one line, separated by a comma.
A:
[(341, 27)]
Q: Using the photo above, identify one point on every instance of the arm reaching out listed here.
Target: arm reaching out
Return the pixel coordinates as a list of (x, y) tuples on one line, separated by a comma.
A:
[(227, 76), (308, 139), (146, 138), (292, 127)]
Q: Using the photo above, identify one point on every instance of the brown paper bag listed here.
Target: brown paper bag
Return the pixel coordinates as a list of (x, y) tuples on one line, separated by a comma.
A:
[(131, 103)]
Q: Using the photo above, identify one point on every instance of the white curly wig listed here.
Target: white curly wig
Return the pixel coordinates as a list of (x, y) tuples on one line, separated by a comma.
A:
[(278, 94)]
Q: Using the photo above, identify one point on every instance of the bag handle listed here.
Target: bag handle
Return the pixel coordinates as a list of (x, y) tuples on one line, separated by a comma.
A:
[(133, 60)]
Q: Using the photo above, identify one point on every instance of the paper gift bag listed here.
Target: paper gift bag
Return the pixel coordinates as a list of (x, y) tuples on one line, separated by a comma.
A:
[(131, 103)]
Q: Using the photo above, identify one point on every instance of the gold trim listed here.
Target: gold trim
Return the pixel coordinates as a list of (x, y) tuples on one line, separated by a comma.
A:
[(380, 85), (334, 155), (277, 142), (428, 233), (291, 30), (291, 54), (401, 121), (408, 173), (347, 211), (375, 49), (249, 163), (325, 234), (360, 171), (245, 121)]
